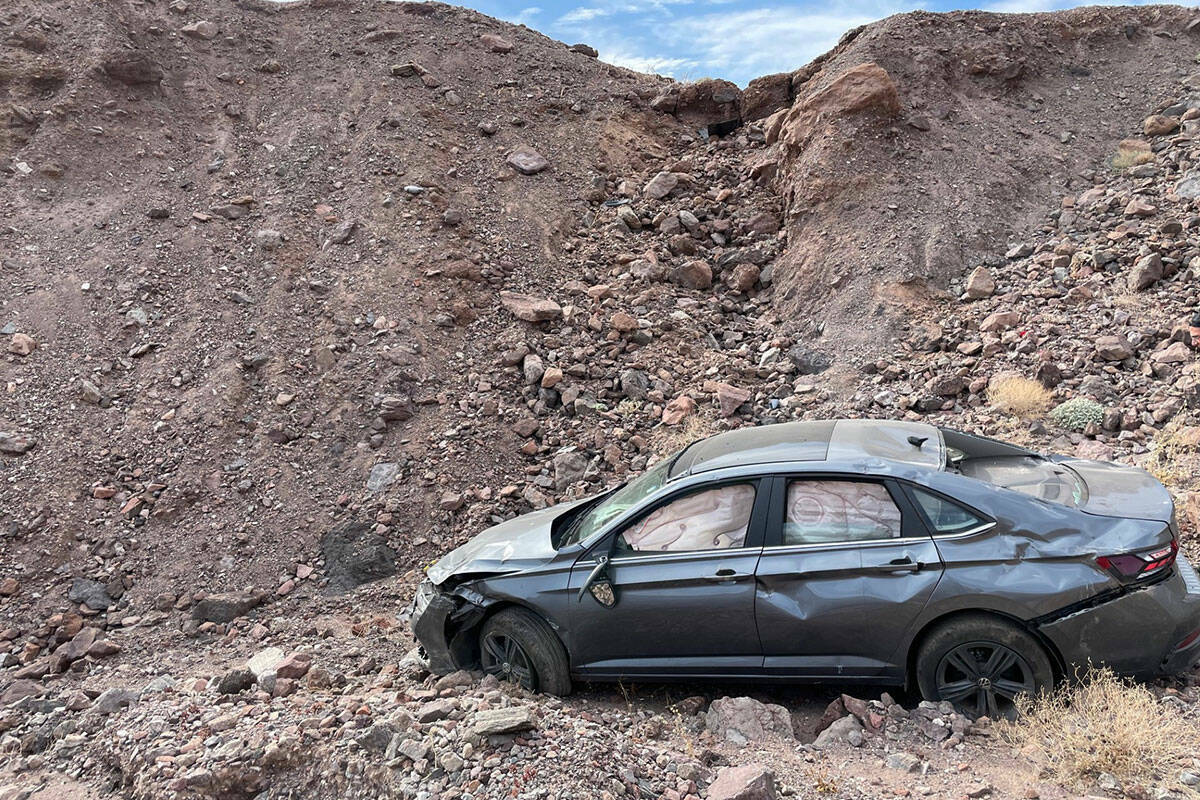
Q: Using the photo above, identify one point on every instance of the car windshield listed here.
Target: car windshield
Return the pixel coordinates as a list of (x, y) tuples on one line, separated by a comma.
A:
[(592, 521)]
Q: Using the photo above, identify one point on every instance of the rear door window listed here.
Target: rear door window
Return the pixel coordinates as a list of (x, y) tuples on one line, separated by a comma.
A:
[(824, 511), (945, 516)]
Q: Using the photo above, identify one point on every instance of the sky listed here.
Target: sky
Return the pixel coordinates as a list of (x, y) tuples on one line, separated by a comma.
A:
[(733, 39)]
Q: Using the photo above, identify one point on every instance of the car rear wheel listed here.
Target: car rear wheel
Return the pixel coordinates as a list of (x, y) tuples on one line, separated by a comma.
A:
[(982, 665), (516, 645)]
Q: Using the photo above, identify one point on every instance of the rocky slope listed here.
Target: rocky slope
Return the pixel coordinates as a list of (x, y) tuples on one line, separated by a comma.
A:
[(286, 316)]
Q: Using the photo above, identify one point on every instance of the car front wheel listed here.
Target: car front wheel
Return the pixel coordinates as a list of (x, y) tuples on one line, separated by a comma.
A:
[(982, 665), (516, 645)]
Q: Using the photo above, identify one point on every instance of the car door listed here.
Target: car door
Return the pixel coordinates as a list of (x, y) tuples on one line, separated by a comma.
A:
[(682, 571), (846, 569)]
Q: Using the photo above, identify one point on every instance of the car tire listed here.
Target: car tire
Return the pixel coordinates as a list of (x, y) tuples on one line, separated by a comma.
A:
[(980, 664), (524, 638)]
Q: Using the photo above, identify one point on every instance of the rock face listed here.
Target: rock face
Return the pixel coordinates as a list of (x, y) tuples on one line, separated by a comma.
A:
[(744, 719), (354, 555)]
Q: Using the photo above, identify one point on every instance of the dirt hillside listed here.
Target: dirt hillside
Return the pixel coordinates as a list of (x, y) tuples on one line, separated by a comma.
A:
[(293, 299)]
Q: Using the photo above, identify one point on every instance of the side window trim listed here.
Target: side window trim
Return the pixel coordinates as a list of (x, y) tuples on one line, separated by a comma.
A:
[(754, 532), (912, 524)]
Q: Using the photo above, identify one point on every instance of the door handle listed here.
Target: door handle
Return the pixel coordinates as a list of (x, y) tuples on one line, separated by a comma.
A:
[(904, 564), (726, 576)]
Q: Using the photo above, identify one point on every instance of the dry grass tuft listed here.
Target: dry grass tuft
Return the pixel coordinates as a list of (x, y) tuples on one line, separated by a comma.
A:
[(667, 440), (1018, 396), (1130, 153), (1174, 458), (1104, 724)]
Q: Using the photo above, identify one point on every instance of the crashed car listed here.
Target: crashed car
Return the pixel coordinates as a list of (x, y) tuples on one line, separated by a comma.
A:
[(848, 550)]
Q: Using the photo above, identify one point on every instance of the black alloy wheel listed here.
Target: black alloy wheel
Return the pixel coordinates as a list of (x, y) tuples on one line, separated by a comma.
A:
[(503, 656), (984, 679)]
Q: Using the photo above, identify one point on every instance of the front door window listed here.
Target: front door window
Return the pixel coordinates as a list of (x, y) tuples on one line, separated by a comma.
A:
[(711, 519)]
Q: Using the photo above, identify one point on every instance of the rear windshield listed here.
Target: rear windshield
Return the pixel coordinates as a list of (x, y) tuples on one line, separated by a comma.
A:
[(1029, 475)]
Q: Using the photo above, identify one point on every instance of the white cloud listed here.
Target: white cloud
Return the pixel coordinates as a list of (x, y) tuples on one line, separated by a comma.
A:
[(582, 14), (524, 16), (680, 68), (742, 45)]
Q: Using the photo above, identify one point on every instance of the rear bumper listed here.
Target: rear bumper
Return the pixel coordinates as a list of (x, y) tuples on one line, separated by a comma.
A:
[(1144, 632)]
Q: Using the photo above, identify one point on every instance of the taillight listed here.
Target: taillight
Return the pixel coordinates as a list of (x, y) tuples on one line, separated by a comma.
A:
[(1136, 566)]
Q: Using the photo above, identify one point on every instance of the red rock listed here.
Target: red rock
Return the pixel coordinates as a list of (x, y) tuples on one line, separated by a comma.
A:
[(22, 344), (747, 782), (294, 666), (678, 409), (731, 398), (530, 309), (9, 587)]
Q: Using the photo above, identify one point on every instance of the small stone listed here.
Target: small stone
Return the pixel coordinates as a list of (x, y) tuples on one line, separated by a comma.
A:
[(530, 309), (527, 161), (905, 762), (980, 284), (201, 29), (22, 344), (496, 43)]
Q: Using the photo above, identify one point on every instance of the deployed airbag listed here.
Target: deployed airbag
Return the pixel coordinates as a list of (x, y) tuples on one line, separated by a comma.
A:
[(709, 520)]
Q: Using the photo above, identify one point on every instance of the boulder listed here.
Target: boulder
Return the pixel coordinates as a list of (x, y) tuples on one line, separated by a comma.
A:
[(678, 409), (744, 719), (1146, 272), (1113, 348), (502, 720), (730, 398), (92, 594), (843, 729), (747, 782), (530, 309), (980, 284), (222, 608), (354, 555), (693, 275)]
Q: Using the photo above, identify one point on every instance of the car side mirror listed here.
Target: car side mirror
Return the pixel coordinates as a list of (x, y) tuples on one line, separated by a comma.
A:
[(599, 585)]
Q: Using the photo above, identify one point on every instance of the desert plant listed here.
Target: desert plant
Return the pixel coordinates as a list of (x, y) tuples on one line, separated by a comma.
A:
[(1018, 396), (1130, 153), (1077, 413), (667, 440), (1173, 457), (1102, 723)]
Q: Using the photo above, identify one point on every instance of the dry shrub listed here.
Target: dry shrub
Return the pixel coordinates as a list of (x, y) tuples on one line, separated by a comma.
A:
[(1130, 153), (1174, 458), (671, 439), (1103, 723), (1018, 396)]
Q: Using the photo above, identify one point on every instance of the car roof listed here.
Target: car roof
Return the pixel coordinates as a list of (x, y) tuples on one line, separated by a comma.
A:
[(843, 440)]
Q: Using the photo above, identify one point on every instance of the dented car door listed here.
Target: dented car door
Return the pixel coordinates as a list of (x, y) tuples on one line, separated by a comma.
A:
[(846, 569), (682, 576)]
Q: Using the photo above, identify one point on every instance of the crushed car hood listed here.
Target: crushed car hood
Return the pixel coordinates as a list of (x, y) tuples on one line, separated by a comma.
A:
[(1115, 490), (513, 545)]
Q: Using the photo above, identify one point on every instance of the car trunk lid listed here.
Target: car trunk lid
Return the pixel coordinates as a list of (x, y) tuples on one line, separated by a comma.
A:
[(1094, 487), (1116, 490)]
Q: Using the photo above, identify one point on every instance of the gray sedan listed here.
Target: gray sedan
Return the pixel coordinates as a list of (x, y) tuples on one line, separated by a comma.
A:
[(850, 550)]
